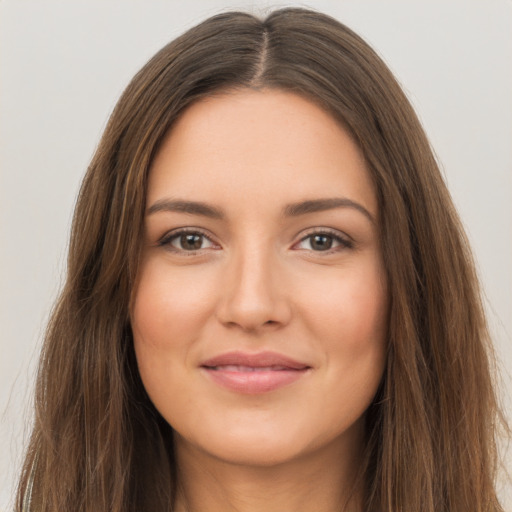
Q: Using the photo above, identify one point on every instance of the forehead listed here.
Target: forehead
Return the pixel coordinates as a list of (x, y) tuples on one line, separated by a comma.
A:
[(260, 148)]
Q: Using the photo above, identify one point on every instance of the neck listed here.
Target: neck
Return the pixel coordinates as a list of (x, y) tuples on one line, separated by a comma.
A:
[(321, 482)]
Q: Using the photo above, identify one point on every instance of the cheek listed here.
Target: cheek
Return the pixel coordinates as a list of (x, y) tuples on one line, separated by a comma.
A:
[(350, 308), (349, 318), (168, 314), (169, 306)]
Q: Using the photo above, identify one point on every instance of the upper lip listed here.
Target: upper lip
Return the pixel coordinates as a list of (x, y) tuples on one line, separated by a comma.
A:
[(255, 360)]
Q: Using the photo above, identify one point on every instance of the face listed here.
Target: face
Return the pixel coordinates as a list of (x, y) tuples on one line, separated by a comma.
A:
[(259, 318)]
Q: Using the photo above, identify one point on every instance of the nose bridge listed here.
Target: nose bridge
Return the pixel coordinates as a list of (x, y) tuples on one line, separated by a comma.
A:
[(253, 296)]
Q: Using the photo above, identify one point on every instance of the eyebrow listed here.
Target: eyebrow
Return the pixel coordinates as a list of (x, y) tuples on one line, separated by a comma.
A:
[(320, 205), (190, 207), (290, 210)]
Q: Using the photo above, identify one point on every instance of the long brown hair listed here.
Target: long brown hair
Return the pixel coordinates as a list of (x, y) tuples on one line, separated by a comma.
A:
[(98, 444)]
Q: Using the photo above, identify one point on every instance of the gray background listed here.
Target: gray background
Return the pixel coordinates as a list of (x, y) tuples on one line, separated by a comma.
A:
[(64, 64)]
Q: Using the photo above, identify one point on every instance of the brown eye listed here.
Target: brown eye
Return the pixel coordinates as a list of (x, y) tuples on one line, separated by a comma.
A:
[(321, 242), (189, 241), (186, 241), (324, 242)]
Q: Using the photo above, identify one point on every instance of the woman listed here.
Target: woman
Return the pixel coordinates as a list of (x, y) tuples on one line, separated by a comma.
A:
[(270, 302)]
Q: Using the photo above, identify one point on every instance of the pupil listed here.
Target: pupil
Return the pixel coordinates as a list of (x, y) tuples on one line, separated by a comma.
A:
[(321, 242), (191, 241)]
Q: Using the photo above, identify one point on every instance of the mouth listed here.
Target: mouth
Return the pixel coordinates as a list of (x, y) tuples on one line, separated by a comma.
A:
[(242, 368), (254, 373)]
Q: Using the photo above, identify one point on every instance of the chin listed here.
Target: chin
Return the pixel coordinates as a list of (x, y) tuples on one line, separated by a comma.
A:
[(255, 453), (263, 446)]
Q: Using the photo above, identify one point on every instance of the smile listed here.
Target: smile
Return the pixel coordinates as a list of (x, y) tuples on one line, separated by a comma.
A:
[(254, 373), (240, 368)]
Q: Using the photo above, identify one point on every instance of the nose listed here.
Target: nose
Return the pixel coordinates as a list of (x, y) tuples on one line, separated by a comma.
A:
[(254, 296)]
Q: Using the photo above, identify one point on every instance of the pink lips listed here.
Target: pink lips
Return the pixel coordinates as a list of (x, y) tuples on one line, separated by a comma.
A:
[(253, 373)]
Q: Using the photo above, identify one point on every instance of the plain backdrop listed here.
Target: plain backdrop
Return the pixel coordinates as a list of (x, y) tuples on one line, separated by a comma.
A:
[(64, 64)]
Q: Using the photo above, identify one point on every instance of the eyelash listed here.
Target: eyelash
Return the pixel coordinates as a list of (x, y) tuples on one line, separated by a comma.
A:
[(344, 242), (166, 240)]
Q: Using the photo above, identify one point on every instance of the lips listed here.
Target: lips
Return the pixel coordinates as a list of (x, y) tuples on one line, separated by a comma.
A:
[(254, 373), (258, 360)]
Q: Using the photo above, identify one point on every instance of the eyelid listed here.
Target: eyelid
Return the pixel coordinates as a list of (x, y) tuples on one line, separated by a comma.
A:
[(346, 241), (327, 231), (165, 240)]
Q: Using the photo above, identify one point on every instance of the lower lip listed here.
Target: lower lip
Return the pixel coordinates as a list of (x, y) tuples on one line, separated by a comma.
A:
[(253, 382)]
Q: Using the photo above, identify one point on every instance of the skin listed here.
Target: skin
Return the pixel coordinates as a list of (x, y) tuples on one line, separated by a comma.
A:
[(258, 281)]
